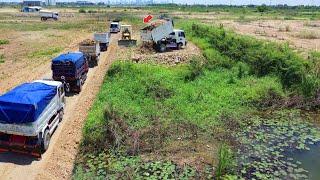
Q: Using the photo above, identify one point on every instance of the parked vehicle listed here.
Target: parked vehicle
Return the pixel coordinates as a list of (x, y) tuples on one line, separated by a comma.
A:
[(45, 15), (91, 50), (163, 36), (29, 115), (115, 27), (71, 69), (29, 9), (126, 36), (103, 39)]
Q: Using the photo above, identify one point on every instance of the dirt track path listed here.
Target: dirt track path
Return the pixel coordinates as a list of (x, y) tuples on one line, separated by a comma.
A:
[(57, 162)]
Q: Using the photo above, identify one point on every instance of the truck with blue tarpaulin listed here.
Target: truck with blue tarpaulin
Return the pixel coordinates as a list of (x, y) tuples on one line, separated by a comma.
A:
[(29, 114), (71, 69)]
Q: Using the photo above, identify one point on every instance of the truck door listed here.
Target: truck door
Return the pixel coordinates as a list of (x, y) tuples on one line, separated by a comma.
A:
[(182, 37)]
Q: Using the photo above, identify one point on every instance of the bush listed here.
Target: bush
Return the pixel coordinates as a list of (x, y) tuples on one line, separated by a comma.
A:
[(4, 41), (82, 11)]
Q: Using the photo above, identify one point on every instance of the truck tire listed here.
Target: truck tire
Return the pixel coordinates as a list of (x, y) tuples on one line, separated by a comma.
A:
[(79, 87), (61, 113), (45, 141), (180, 45), (161, 47)]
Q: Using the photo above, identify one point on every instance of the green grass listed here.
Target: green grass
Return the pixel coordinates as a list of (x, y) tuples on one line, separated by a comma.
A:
[(2, 58), (49, 52), (141, 92), (4, 41), (145, 95), (225, 48)]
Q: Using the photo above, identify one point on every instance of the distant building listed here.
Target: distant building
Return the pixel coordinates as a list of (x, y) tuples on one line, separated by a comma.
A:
[(50, 2), (84, 3), (32, 3)]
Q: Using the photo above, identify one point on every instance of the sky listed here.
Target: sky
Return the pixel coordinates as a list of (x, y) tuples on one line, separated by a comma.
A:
[(227, 2)]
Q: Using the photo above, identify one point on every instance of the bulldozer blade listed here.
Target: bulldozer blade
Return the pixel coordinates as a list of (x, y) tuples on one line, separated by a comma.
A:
[(127, 43)]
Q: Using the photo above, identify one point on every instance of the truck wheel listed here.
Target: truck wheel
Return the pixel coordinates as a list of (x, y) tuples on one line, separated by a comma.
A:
[(45, 141), (61, 115), (180, 46), (162, 47), (79, 87)]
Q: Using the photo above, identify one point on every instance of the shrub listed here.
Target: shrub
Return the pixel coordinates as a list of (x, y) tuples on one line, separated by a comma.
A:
[(263, 8), (4, 41), (82, 11)]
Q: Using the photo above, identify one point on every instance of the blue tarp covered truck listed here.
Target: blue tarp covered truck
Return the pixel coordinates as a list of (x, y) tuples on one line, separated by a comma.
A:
[(71, 69), (29, 114)]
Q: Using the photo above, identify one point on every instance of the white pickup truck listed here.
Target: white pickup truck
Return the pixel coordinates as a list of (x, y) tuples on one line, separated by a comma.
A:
[(162, 34), (29, 115), (45, 15)]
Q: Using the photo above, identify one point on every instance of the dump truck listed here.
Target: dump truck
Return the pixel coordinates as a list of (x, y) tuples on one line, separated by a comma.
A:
[(71, 69), (126, 36), (29, 115), (91, 50), (45, 15), (115, 27), (103, 39), (163, 35)]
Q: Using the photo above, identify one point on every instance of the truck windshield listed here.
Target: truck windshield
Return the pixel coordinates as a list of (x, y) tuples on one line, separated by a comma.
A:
[(114, 26)]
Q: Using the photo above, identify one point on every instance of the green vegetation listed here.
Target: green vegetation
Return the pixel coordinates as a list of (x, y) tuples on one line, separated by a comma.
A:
[(268, 141), (49, 52), (147, 117), (82, 11), (225, 48), (4, 41), (2, 58)]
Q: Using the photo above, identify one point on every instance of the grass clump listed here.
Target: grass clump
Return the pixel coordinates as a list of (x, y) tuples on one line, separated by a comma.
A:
[(4, 41), (308, 35), (49, 52), (226, 162), (2, 58)]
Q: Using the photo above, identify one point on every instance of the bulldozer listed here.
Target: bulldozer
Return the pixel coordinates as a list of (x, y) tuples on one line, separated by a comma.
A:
[(126, 36)]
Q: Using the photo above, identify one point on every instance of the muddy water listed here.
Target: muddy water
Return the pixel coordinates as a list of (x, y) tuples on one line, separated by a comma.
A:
[(310, 160)]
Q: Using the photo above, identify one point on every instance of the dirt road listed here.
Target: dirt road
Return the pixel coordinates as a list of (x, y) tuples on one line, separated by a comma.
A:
[(57, 162)]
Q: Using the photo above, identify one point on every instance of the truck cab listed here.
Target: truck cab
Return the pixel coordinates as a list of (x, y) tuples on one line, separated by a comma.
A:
[(179, 38), (115, 27)]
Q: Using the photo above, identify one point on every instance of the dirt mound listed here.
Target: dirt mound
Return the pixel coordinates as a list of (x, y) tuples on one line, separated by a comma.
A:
[(146, 54), (87, 42)]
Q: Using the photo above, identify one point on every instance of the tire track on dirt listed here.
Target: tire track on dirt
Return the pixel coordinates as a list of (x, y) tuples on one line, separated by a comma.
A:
[(58, 161)]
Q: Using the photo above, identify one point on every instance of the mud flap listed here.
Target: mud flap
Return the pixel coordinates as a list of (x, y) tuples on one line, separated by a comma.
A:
[(19, 144)]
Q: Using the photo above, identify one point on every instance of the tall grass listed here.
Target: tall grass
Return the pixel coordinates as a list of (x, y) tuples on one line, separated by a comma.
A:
[(225, 48), (226, 162)]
